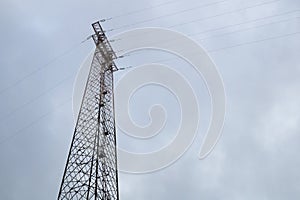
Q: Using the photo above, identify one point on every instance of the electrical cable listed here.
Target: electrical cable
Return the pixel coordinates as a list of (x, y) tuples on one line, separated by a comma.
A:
[(143, 9), (219, 35), (228, 47), (209, 17), (60, 56), (21, 130)]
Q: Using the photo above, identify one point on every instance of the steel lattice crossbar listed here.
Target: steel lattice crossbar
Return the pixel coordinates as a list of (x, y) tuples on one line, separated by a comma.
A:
[(91, 169)]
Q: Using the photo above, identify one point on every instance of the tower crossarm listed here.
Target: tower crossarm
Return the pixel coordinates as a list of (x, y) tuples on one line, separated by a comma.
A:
[(103, 44)]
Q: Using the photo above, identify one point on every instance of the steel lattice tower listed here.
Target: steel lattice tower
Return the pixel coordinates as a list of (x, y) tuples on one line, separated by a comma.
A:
[(91, 169)]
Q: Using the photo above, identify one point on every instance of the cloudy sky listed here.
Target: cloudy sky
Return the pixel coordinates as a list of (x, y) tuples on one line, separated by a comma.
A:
[(254, 44)]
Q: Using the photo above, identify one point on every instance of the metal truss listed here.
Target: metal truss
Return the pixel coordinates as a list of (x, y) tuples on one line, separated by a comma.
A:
[(91, 170)]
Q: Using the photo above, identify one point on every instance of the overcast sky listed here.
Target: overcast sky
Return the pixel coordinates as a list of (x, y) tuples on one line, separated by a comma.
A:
[(257, 156)]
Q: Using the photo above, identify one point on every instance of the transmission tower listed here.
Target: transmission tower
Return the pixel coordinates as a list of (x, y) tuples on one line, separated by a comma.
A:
[(91, 170)]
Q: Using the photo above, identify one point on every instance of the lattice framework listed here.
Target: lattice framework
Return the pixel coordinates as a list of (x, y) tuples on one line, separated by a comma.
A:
[(91, 169)]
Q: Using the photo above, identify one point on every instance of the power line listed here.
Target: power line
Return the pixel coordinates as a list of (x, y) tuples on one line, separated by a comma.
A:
[(21, 130), (70, 76), (254, 42), (197, 7), (190, 34), (36, 98), (60, 56), (232, 25), (170, 14), (76, 46), (226, 13), (246, 22), (245, 29), (229, 47), (144, 9), (211, 51)]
